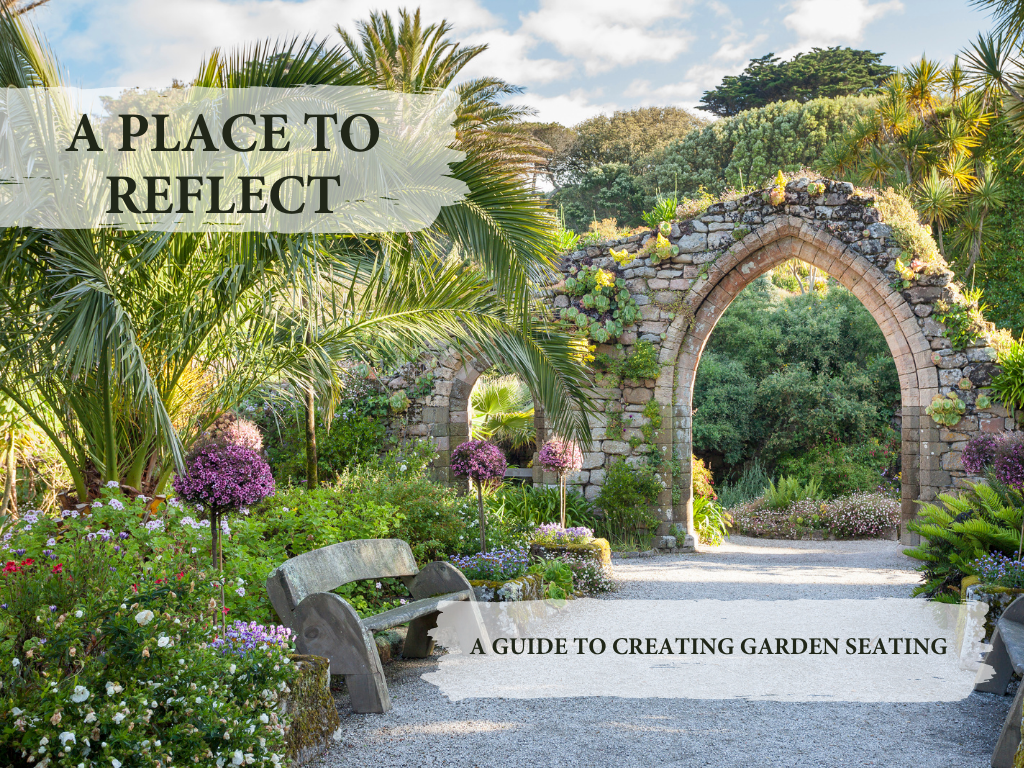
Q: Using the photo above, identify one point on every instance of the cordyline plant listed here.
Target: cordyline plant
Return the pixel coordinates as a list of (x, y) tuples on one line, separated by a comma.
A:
[(480, 461), (560, 456)]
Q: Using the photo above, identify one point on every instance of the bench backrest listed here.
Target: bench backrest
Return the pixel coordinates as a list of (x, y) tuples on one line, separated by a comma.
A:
[(328, 568)]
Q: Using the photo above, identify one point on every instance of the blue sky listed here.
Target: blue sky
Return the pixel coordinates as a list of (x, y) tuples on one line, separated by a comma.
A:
[(574, 58)]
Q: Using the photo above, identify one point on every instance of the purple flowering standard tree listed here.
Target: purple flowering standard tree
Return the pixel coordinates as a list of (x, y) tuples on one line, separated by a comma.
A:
[(560, 456), (223, 478), (480, 461)]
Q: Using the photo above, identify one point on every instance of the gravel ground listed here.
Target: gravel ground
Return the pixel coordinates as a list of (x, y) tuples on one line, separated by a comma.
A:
[(425, 729)]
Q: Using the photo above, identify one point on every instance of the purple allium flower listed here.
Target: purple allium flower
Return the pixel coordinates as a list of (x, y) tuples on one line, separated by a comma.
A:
[(226, 477), (479, 460), (979, 453), (1009, 462), (560, 456)]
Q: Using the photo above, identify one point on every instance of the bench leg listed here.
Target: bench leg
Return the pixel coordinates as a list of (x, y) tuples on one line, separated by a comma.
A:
[(418, 642), (995, 671), (1009, 737), (369, 693)]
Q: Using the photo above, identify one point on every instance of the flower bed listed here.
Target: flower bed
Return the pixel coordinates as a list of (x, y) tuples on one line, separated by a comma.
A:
[(855, 516)]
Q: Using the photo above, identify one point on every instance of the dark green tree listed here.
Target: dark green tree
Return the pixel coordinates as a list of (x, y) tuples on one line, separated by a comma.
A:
[(821, 73)]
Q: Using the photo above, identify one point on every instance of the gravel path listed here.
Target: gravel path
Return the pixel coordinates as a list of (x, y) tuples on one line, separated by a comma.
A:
[(425, 729)]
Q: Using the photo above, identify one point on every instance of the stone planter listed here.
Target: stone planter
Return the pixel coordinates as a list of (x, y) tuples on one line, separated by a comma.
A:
[(313, 713), (997, 599), (598, 550), (529, 587)]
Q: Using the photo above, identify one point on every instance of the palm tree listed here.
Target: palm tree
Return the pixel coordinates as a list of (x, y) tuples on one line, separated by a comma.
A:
[(501, 410), (937, 201), (134, 342)]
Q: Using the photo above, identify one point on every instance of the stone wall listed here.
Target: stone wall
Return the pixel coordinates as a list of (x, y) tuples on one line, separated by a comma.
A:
[(681, 297)]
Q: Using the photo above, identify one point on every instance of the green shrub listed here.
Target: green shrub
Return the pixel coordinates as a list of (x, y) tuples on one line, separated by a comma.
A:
[(710, 520), (1009, 384), (557, 578), (788, 490), (960, 529), (625, 500), (537, 505), (750, 485), (842, 469)]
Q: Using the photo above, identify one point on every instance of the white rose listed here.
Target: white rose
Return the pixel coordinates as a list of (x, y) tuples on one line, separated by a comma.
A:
[(115, 762), (65, 737), (231, 669), (78, 614), (163, 641), (144, 617), (81, 694), (91, 717), (264, 719), (118, 718), (238, 758)]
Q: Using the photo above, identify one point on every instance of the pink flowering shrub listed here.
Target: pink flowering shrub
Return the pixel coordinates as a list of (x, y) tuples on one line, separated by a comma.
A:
[(479, 460), (979, 453), (1008, 465), (854, 516), (225, 477), (560, 456), (228, 429)]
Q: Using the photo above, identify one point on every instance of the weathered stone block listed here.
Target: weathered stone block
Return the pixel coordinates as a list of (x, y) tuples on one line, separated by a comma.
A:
[(717, 240), (593, 460), (615, 447), (640, 395), (693, 243)]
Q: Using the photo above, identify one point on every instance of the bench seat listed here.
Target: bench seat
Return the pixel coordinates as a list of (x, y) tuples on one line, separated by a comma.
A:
[(1005, 658), (403, 614)]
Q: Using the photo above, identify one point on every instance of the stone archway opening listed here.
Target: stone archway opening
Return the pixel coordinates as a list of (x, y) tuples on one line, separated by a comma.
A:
[(502, 410), (795, 341), (873, 290)]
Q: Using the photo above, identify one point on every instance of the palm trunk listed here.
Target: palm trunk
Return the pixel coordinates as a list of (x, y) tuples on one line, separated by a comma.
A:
[(109, 469), (561, 496), (311, 453), (483, 519), (976, 242), (11, 464)]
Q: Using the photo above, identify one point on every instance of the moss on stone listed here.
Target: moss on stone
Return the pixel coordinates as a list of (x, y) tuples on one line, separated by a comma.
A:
[(311, 709), (599, 550)]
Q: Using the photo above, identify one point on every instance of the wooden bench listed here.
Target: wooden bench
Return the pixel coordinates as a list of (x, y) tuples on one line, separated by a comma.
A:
[(326, 625), (1005, 658)]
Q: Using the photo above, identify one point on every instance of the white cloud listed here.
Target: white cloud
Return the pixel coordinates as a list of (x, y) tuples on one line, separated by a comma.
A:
[(567, 108), (687, 91), (734, 48), (155, 42), (834, 22), (606, 34), (507, 57)]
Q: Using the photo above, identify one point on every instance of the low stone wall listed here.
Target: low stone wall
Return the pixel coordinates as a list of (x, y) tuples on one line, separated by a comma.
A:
[(313, 713)]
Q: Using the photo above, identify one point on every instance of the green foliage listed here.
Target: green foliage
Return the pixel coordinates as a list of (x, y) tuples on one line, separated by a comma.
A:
[(964, 320), (821, 73), (750, 485), (788, 490), (641, 363), (960, 529), (1009, 384), (947, 411), (607, 190), (604, 304), (501, 410), (843, 469), (557, 577), (652, 412), (537, 505), (711, 521), (746, 149), (664, 210), (355, 433), (625, 500), (784, 374)]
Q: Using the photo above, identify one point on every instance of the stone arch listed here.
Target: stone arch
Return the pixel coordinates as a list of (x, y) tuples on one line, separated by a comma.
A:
[(452, 429), (767, 247), (681, 289)]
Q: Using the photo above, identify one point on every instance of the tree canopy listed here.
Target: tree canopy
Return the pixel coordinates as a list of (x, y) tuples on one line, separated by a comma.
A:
[(821, 73)]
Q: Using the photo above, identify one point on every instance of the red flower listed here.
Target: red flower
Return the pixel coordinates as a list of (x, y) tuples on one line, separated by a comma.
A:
[(224, 609), (27, 561), (135, 587), (58, 568), (181, 576), (159, 581), (11, 567)]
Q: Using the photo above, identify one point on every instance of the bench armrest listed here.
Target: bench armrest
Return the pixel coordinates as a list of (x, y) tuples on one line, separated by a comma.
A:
[(439, 578)]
